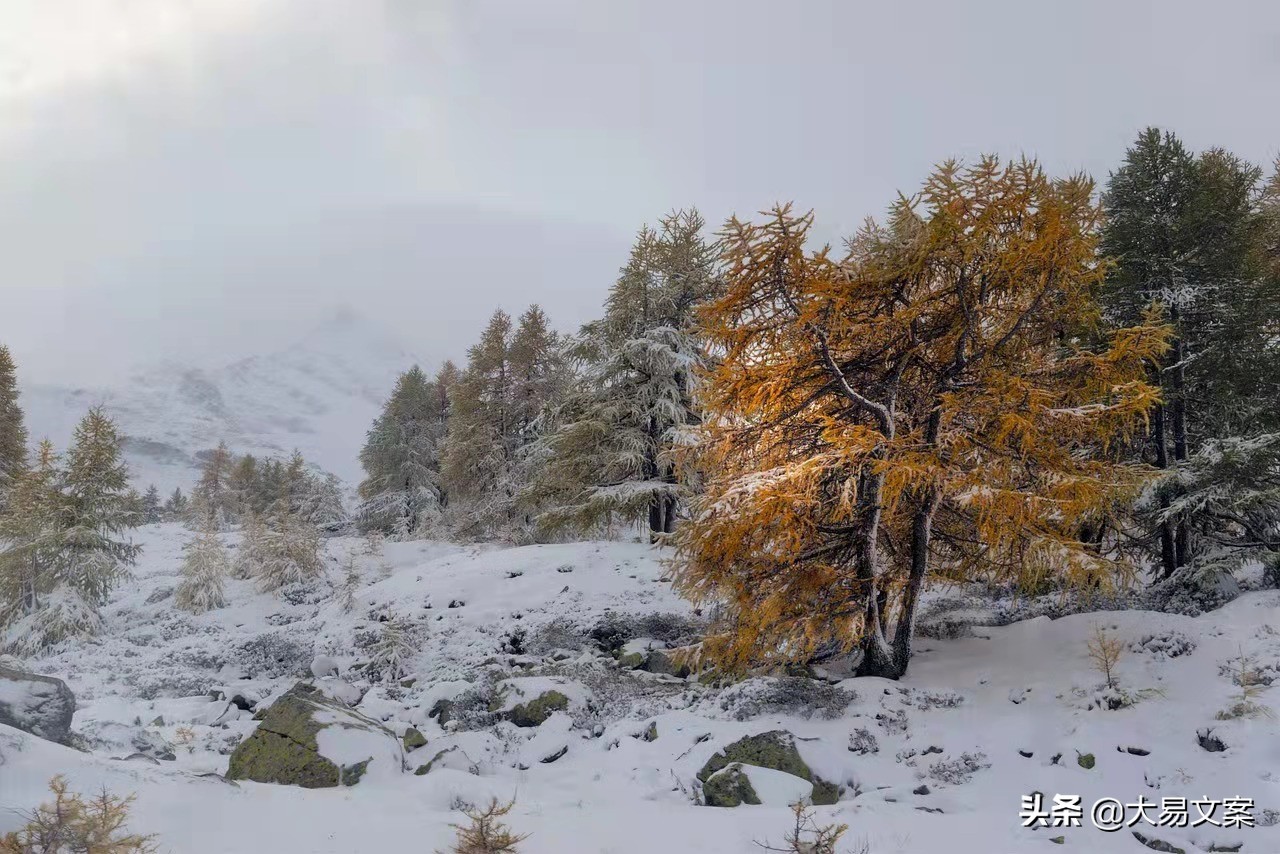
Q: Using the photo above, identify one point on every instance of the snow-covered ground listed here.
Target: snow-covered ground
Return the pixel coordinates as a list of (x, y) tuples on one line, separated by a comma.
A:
[(936, 763)]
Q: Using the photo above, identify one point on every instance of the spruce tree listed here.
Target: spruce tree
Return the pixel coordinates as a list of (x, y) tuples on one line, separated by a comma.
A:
[(31, 531), (497, 409), (212, 498), (175, 507), (204, 573), (1181, 232), (401, 490), (13, 433), (151, 510), (609, 458), (96, 511)]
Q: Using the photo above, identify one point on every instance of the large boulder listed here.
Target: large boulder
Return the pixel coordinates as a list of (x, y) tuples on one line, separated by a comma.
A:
[(775, 750), (40, 705), (308, 738)]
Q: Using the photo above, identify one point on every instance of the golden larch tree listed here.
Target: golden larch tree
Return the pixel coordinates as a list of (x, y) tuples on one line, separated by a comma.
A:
[(940, 399)]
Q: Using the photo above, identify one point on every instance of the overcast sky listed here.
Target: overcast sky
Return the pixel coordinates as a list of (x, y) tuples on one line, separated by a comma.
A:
[(209, 177)]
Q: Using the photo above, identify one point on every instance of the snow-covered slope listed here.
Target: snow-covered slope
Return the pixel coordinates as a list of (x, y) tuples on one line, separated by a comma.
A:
[(936, 763), (318, 395)]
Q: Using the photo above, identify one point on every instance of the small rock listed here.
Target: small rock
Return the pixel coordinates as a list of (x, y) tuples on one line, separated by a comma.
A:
[(1210, 742), (1085, 760), (413, 739), (1158, 844), (1026, 754), (1135, 751), (537, 710), (39, 705), (1058, 840), (456, 603), (920, 790), (547, 760), (515, 574), (159, 721), (650, 732)]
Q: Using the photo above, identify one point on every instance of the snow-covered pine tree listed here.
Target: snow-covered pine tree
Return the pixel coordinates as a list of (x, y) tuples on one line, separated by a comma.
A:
[(446, 380), (175, 506), (608, 460), (31, 529), (243, 487), (252, 551), (204, 573), (96, 511), (151, 510), (401, 459), (13, 432), (291, 553), (496, 411), (476, 467), (1182, 231), (211, 499)]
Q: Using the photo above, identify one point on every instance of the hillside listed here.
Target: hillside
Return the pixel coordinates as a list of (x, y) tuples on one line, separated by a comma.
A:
[(935, 763), (319, 395)]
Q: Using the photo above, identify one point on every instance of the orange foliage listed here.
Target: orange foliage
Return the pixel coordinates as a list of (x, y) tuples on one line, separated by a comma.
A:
[(939, 399)]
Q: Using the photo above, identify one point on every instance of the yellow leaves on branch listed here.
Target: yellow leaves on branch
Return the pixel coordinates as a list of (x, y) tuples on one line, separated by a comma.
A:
[(949, 369)]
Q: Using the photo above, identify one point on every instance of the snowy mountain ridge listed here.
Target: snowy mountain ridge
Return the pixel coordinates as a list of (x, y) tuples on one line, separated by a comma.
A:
[(318, 395)]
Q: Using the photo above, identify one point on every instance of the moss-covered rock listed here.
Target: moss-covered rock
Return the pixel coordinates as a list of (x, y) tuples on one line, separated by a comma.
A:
[(537, 710), (285, 747), (729, 787), (776, 750), (631, 660), (412, 739), (1086, 761), (663, 662)]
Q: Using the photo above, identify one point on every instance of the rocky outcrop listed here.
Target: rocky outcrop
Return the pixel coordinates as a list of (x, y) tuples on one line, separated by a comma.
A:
[(309, 739), (775, 750), (40, 705), (537, 710)]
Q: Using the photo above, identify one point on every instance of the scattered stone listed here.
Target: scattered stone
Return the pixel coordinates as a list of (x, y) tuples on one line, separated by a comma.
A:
[(39, 705), (1026, 754), (159, 721), (1210, 742), (1135, 751), (650, 732), (456, 603), (1158, 844), (933, 748), (547, 760), (413, 739), (514, 574), (1058, 840), (537, 710), (1085, 760), (920, 790)]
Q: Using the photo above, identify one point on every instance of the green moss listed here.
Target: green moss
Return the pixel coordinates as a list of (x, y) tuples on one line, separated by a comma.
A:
[(537, 710), (729, 787), (1086, 761)]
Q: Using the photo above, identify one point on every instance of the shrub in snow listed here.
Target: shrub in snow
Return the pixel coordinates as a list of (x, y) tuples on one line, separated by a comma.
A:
[(392, 649), (65, 614), (72, 823), (1171, 644), (485, 833), (809, 837), (204, 573), (960, 770), (788, 695), (862, 741), (273, 655)]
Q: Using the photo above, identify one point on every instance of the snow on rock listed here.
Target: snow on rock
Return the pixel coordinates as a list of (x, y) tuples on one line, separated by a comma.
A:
[(936, 762), (41, 705)]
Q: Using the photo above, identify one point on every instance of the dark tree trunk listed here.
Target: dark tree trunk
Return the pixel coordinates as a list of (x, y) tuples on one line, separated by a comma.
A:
[(1168, 554), (921, 535), (1178, 407)]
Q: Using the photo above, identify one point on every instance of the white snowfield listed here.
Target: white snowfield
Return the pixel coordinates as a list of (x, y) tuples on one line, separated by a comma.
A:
[(938, 762)]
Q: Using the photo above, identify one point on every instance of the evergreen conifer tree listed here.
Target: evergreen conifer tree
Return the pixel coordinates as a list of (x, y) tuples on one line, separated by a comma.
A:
[(212, 498), (31, 533), (13, 433), (151, 511), (96, 511), (204, 573)]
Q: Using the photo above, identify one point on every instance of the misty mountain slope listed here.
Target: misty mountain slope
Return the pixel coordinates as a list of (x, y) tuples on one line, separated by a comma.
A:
[(318, 394)]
